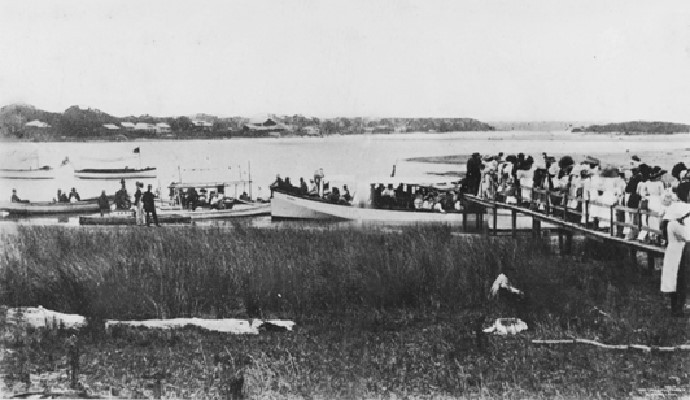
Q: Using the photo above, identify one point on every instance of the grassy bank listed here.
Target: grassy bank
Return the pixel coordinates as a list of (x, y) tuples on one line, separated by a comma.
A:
[(378, 313)]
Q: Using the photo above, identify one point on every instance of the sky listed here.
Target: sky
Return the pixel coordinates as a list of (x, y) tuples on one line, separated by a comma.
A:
[(490, 60)]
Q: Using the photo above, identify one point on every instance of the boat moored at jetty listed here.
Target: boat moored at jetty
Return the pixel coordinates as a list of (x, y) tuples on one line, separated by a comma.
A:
[(391, 200), (212, 200), (47, 207), (290, 206)]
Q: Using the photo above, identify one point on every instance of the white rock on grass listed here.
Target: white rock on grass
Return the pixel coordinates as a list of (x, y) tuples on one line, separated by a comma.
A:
[(230, 325), (39, 317)]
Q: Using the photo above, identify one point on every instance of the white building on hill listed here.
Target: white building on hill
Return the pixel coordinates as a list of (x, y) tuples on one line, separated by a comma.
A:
[(145, 126), (162, 127), (37, 124)]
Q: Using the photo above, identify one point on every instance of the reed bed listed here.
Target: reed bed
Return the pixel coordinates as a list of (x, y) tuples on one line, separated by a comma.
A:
[(129, 273), (379, 314)]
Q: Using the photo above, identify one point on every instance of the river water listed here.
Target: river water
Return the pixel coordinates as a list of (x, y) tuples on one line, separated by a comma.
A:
[(358, 157)]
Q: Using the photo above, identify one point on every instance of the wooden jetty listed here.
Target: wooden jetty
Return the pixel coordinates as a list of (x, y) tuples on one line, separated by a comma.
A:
[(568, 221)]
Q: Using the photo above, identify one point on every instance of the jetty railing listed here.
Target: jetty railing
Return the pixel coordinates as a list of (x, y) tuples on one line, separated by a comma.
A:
[(614, 218), (553, 207)]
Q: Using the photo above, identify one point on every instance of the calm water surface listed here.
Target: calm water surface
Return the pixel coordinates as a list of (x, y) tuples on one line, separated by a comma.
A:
[(358, 157)]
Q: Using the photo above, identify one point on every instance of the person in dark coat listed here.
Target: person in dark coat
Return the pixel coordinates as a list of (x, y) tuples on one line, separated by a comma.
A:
[(474, 174), (303, 189), (150, 207), (103, 203), (192, 198), (683, 190)]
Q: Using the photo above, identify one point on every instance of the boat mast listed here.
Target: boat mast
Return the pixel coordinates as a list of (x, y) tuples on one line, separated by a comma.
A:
[(249, 165)]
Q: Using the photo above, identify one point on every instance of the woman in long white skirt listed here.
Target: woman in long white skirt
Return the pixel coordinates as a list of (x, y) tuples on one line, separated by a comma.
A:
[(676, 259)]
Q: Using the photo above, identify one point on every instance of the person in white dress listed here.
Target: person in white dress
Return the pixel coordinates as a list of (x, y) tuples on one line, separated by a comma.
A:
[(654, 194), (676, 260), (526, 179)]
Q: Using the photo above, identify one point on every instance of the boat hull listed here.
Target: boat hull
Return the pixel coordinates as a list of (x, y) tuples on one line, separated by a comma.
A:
[(116, 174), (237, 211), (285, 206), (28, 209), (27, 174)]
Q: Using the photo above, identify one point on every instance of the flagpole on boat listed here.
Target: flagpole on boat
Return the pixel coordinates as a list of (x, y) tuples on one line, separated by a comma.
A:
[(249, 165)]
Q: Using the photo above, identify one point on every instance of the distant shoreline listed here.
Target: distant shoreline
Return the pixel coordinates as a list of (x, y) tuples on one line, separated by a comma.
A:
[(240, 137), (575, 133)]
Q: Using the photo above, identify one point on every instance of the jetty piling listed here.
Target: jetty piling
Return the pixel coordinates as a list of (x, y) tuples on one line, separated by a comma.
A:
[(543, 207)]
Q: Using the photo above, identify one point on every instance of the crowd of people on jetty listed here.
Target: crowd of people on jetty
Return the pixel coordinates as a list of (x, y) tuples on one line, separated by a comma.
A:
[(588, 188), (651, 197)]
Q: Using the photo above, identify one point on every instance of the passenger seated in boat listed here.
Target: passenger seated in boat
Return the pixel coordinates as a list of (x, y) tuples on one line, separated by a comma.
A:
[(15, 198), (277, 184), (73, 196), (313, 190), (346, 194), (388, 196), (334, 196), (63, 197), (438, 207), (418, 201), (287, 185), (183, 198), (447, 201), (303, 190)]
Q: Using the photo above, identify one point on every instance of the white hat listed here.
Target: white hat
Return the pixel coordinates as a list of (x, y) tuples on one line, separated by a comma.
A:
[(676, 210)]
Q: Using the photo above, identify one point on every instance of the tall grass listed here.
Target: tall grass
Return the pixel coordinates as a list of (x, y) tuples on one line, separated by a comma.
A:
[(130, 272), (410, 300)]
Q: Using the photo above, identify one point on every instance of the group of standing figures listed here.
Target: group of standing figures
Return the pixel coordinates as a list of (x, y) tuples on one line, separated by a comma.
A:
[(144, 203), (591, 190)]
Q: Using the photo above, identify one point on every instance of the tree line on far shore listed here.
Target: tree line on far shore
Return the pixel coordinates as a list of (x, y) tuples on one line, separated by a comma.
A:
[(637, 127), (86, 123)]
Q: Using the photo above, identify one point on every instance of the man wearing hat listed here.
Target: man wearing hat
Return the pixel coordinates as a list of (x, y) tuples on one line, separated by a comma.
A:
[(474, 174), (15, 198), (103, 203), (149, 206)]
